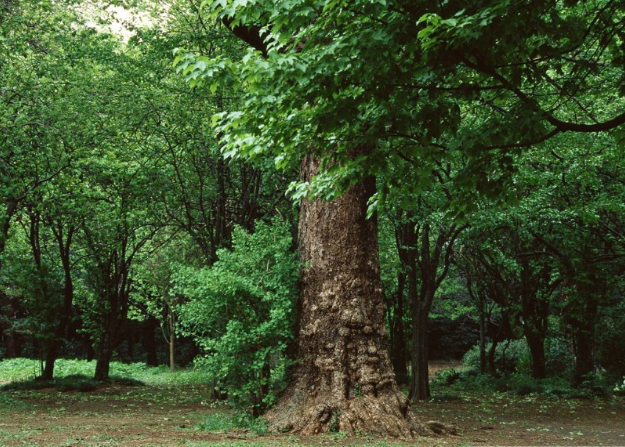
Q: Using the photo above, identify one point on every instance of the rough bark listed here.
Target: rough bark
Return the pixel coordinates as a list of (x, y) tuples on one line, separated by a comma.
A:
[(344, 379)]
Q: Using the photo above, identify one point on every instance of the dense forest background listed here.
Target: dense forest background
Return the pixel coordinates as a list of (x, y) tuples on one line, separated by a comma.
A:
[(131, 230)]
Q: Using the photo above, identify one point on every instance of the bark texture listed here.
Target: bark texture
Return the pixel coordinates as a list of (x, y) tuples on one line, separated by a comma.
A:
[(344, 379)]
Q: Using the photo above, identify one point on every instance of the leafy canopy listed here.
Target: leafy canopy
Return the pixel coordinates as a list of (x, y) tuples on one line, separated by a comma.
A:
[(416, 83)]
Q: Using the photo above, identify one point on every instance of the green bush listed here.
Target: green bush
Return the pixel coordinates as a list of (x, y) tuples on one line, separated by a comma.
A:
[(241, 312), (523, 384), (447, 377), (7, 403), (559, 358), (510, 356), (515, 357)]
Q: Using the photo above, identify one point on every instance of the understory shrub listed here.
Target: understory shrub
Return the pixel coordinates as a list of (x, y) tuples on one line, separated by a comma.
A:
[(447, 377), (514, 356), (241, 312), (510, 356), (522, 384), (559, 358)]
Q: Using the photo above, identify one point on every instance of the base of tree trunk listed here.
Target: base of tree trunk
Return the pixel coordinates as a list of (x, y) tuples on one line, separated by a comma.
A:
[(387, 414)]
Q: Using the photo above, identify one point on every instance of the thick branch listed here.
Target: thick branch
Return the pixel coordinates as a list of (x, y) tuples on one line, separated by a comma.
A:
[(248, 34), (561, 126)]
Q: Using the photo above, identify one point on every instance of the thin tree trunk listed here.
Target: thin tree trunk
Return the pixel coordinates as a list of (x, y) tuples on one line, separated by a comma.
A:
[(584, 355), (344, 379), (420, 380), (149, 341), (68, 299), (483, 322), (172, 335), (536, 344), (398, 340), (492, 363), (103, 364), (584, 339), (50, 360)]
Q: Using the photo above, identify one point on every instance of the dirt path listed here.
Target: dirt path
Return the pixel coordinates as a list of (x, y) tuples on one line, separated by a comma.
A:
[(503, 420), (167, 416)]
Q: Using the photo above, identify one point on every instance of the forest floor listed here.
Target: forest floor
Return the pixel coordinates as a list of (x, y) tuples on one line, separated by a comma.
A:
[(168, 415)]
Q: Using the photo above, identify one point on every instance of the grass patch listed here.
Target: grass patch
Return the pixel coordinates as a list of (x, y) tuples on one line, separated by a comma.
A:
[(7, 404), (221, 422), (129, 374), (73, 382), (217, 422)]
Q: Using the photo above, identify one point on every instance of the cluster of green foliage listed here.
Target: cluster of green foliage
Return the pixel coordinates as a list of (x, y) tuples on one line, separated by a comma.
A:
[(111, 183), (453, 382), (241, 312)]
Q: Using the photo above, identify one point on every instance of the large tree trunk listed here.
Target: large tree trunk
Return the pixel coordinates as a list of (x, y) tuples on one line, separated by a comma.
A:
[(344, 381), (52, 353)]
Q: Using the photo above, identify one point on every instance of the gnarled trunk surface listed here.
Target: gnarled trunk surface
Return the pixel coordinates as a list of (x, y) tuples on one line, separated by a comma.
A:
[(344, 379)]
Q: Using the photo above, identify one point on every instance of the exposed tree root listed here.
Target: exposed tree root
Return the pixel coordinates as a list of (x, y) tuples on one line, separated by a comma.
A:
[(387, 414)]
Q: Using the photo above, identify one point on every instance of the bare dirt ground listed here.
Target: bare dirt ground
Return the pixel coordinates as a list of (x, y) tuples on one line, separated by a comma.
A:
[(167, 416)]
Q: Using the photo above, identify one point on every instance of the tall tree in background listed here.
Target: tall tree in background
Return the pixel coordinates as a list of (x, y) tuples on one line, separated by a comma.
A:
[(46, 119)]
